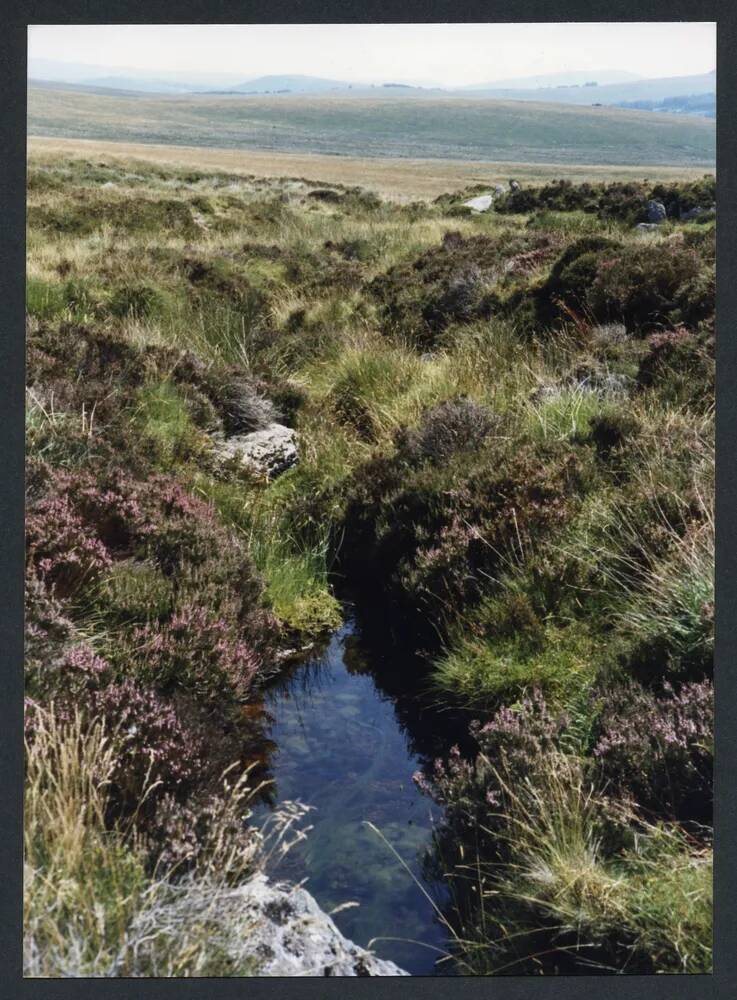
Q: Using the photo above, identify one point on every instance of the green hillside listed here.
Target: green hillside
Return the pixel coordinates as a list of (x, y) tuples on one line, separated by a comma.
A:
[(454, 128)]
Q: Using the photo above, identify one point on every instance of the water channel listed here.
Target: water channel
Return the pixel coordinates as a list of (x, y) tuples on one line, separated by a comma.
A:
[(346, 737)]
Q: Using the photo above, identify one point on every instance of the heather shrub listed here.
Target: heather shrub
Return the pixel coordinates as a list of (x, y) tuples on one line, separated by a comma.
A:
[(640, 288), (48, 627), (244, 409), (450, 283), (460, 301), (66, 676), (450, 427), (571, 277), (156, 752), (512, 747), (198, 653), (62, 549), (434, 536), (658, 751), (679, 364), (611, 430)]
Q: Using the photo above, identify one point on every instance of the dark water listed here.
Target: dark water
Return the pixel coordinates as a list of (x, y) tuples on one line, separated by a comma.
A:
[(347, 738)]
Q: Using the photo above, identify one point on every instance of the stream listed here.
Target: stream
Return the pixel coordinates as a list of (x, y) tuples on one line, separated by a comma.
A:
[(346, 738)]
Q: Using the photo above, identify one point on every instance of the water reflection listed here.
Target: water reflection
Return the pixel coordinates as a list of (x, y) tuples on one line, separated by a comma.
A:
[(346, 741)]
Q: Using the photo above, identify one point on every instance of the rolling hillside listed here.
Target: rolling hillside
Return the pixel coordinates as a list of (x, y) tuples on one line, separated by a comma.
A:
[(451, 128)]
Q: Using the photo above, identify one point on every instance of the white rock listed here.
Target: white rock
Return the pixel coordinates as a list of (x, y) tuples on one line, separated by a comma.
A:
[(272, 450), (482, 203), (292, 936)]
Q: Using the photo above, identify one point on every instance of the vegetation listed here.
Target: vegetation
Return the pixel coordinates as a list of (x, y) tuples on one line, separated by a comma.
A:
[(457, 128), (505, 425)]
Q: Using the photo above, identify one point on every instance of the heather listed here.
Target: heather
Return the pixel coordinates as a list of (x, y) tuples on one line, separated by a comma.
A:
[(505, 434)]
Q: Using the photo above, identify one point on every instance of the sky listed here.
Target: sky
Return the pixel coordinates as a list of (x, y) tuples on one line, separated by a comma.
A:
[(445, 54)]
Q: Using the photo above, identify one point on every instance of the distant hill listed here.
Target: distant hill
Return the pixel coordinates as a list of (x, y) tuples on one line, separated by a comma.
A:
[(580, 87), (703, 105), (613, 93), (457, 128), (577, 77), (295, 83)]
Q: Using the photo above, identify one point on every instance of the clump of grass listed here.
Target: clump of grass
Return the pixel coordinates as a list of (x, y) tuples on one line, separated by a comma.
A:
[(296, 573), (651, 904), (484, 672), (92, 904), (161, 414), (559, 899)]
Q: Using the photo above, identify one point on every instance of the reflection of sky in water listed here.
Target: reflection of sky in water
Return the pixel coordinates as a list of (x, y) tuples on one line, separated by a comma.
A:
[(341, 750)]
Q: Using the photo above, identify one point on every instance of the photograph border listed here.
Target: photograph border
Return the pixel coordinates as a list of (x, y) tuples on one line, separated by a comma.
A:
[(13, 58)]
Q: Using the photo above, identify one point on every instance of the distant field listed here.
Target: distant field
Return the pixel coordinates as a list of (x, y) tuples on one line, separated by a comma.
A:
[(401, 180), (448, 129)]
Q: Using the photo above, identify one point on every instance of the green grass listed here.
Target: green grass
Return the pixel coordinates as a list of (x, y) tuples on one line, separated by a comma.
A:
[(560, 897), (91, 905), (482, 673)]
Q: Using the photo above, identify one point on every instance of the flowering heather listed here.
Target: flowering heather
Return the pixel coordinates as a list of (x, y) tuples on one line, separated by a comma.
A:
[(197, 652), (155, 745), (61, 547), (513, 746), (659, 751)]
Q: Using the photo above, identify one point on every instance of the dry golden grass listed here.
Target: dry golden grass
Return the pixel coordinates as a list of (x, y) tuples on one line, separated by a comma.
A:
[(400, 180)]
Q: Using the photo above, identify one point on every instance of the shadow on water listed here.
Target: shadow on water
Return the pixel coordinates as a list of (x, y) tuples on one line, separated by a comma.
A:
[(348, 729)]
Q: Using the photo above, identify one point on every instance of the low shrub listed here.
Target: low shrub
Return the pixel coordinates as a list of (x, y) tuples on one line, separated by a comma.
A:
[(450, 427), (198, 653), (138, 301), (244, 409), (157, 753), (659, 751)]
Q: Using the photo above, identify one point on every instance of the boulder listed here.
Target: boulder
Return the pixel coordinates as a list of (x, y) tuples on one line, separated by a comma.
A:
[(292, 936), (499, 189), (692, 213), (656, 212), (270, 451), (514, 185), (482, 203), (646, 227)]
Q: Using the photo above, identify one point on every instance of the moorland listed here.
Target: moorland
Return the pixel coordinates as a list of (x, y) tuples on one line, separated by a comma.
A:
[(505, 433), (455, 128)]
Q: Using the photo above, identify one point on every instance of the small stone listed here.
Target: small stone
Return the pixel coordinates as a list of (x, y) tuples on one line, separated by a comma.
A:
[(692, 213)]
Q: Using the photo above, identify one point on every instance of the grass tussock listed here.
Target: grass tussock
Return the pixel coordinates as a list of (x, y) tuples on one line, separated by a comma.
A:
[(94, 905)]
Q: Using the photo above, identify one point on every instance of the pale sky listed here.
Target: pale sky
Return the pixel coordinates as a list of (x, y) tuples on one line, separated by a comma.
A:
[(447, 54)]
